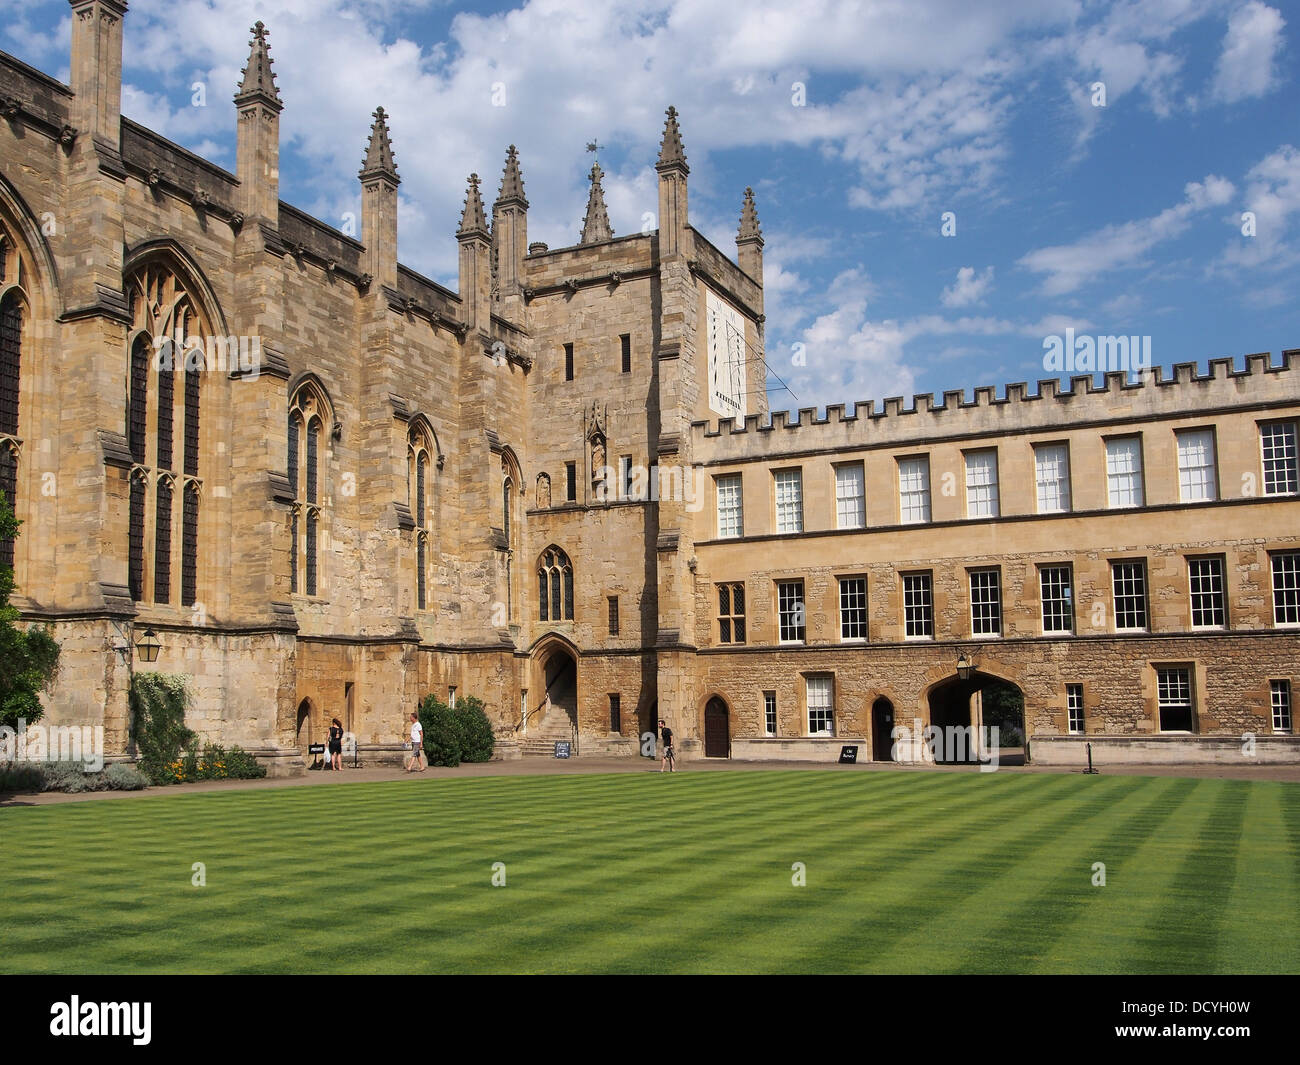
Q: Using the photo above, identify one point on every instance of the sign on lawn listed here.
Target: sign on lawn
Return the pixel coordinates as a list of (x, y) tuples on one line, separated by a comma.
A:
[(561, 749), (848, 755)]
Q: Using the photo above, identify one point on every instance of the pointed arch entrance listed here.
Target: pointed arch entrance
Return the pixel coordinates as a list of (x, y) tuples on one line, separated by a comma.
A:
[(882, 730), (717, 728), (555, 679), (303, 727)]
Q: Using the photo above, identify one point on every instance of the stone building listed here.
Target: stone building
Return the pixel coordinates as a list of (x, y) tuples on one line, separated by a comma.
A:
[(329, 485)]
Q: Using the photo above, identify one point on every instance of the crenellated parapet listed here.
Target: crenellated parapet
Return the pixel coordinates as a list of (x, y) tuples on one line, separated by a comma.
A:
[(1083, 400)]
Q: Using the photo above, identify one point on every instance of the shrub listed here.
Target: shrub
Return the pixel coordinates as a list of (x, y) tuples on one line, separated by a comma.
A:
[(476, 736), (217, 763), (441, 732), (240, 765), (158, 704), (452, 736), (122, 777), (70, 777), (21, 777)]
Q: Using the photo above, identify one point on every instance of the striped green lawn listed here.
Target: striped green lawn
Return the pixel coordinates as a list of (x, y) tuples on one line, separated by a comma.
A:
[(906, 872)]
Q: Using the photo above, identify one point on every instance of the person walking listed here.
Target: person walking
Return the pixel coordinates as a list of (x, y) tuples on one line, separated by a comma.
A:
[(417, 744), (336, 744), (666, 736)]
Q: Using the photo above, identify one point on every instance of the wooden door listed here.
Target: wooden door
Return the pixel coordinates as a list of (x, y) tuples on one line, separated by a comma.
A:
[(717, 738)]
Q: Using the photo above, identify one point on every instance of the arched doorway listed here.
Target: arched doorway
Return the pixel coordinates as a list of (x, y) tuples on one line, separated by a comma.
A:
[(882, 730), (962, 710), (717, 730), (303, 729), (559, 688)]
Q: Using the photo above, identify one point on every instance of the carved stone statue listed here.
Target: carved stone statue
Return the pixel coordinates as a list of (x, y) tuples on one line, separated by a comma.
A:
[(543, 491)]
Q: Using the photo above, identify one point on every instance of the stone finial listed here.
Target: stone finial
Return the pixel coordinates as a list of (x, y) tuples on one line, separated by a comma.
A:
[(379, 160), (749, 228), (473, 222), (512, 184), (259, 78), (595, 226), (671, 152)]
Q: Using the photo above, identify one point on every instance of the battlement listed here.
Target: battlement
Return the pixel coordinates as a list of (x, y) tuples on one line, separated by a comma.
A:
[(1155, 394)]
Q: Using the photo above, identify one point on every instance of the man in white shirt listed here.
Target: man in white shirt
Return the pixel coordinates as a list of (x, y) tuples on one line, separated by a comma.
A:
[(417, 744)]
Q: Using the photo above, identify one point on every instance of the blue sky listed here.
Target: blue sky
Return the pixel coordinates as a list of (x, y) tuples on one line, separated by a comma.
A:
[(1118, 219)]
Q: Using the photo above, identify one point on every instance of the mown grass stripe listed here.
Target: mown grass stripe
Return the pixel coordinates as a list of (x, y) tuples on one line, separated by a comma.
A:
[(680, 873)]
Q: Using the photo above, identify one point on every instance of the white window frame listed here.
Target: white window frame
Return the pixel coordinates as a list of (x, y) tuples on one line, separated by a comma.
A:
[(846, 585), (1279, 695), (921, 599), (1052, 478), (1198, 476), (1284, 572), (982, 497), (1196, 588), (783, 604), (1141, 571), (850, 496), (1065, 589), (985, 586), (729, 489), (914, 490), (769, 713), (1186, 685), (787, 486), (823, 684), (1278, 453), (1075, 720), (1124, 472)]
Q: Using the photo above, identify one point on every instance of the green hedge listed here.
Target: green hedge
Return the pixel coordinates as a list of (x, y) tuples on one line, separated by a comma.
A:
[(452, 736)]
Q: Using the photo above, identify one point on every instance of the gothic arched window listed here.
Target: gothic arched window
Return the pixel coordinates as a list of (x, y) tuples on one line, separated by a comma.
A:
[(13, 314), (420, 452), (309, 412), (555, 586), (169, 332)]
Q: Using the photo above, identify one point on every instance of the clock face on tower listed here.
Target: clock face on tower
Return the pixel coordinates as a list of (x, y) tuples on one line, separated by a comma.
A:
[(726, 342)]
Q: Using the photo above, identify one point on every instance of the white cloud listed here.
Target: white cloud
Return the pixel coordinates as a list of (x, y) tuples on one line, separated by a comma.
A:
[(1273, 196), (969, 287), (1250, 49), (1122, 247)]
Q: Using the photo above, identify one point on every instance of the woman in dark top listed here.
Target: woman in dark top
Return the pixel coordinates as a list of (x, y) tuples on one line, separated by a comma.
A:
[(336, 745)]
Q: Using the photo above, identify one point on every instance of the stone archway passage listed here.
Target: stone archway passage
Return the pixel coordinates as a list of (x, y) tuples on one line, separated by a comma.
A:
[(302, 731), (882, 730), (717, 731), (951, 714)]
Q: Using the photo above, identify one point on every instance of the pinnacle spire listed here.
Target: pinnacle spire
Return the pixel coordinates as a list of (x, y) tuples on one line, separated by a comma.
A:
[(671, 152), (749, 228), (512, 184), (379, 153), (595, 226), (472, 220), (259, 78)]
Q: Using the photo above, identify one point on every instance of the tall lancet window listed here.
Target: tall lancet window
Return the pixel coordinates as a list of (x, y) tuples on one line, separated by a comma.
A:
[(421, 456), (165, 365), (13, 317), (512, 481), (309, 414)]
